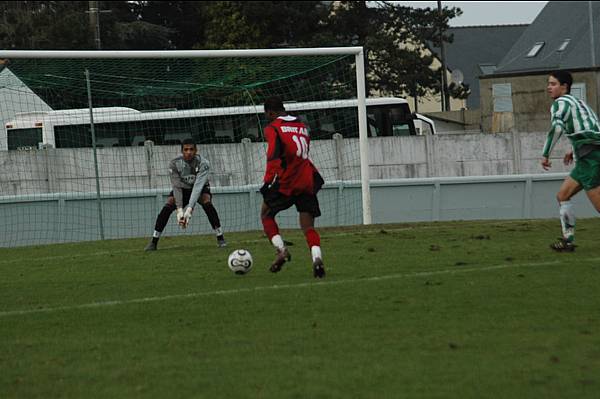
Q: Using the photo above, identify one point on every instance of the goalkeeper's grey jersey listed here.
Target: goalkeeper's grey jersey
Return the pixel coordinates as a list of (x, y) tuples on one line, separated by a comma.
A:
[(191, 175)]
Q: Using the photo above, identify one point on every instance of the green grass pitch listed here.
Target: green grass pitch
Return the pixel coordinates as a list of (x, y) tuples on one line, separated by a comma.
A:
[(431, 310)]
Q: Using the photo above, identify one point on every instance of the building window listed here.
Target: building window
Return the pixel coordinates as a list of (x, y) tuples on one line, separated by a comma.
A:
[(564, 45), (578, 91), (487, 69), (502, 96), (535, 49)]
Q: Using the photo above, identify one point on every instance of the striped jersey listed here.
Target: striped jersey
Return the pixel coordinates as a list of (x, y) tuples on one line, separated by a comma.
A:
[(576, 120)]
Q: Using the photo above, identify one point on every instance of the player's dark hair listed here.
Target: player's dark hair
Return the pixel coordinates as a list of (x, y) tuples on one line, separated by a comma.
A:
[(188, 141), (564, 78), (274, 104)]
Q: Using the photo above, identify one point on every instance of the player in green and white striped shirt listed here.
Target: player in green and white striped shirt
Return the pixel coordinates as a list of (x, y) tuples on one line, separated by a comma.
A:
[(578, 122)]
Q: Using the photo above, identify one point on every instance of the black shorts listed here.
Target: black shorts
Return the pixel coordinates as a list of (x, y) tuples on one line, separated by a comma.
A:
[(188, 192), (278, 202)]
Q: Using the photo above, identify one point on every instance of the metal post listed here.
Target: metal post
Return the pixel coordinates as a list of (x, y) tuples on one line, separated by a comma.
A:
[(246, 143), (593, 53), (149, 149), (94, 12), (338, 143), (445, 94), (363, 137), (98, 198)]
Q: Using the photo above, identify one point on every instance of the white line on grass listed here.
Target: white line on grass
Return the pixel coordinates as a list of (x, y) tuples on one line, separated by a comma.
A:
[(325, 234), (280, 286)]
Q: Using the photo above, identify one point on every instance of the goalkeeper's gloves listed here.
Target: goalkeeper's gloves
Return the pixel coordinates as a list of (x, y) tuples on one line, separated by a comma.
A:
[(180, 218), (187, 216)]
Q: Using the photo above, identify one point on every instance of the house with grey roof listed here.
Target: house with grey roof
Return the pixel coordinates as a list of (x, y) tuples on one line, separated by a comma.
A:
[(566, 36), (476, 51)]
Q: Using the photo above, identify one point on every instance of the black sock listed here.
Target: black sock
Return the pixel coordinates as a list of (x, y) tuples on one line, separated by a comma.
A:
[(211, 213), (163, 217)]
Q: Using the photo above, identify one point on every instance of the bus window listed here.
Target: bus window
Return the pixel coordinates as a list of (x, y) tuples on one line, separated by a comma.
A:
[(385, 117), (390, 120), (320, 123), (249, 126), (19, 139), (401, 121), (372, 125), (223, 130), (72, 136), (346, 121), (138, 141)]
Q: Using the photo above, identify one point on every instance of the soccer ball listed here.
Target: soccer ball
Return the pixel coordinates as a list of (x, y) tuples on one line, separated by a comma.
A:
[(240, 261)]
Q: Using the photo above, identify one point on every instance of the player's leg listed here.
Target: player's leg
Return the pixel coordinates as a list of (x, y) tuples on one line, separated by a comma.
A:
[(272, 204), (591, 182), (212, 215), (308, 209), (568, 189), (594, 197), (161, 222), (313, 239)]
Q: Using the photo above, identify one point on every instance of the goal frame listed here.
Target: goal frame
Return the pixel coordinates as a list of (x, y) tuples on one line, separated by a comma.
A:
[(358, 53)]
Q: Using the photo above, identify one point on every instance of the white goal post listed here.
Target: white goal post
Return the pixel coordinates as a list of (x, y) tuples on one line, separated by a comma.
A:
[(155, 54)]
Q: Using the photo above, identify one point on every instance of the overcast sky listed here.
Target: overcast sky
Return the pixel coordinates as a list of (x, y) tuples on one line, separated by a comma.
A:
[(488, 12)]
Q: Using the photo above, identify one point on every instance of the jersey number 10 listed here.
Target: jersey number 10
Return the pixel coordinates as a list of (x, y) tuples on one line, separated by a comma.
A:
[(301, 146)]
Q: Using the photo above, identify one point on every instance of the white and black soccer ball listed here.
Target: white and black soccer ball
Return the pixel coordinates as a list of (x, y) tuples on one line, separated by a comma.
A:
[(240, 261)]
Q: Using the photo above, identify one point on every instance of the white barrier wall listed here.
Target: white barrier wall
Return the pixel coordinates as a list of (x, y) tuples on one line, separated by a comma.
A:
[(72, 170), (73, 217)]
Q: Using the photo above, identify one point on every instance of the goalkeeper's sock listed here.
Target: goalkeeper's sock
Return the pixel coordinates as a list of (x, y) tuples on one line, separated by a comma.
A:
[(156, 236), (219, 232), (567, 220)]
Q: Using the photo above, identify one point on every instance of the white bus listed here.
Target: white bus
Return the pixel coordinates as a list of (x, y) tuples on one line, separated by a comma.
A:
[(121, 126)]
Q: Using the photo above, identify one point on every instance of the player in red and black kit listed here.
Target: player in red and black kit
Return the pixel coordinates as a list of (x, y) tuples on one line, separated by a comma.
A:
[(290, 179)]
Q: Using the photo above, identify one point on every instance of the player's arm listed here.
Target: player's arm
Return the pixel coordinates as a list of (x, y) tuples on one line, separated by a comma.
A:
[(201, 179), (274, 153), (559, 111), (177, 185)]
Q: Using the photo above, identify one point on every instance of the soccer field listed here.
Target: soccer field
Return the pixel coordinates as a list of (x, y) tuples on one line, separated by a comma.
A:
[(430, 310)]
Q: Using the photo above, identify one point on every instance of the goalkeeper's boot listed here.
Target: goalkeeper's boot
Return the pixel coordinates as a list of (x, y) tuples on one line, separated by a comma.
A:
[(221, 243), (150, 247), (283, 255), (563, 245), (318, 268)]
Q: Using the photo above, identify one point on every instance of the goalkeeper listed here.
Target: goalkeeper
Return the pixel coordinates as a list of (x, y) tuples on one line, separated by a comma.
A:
[(576, 120), (189, 178)]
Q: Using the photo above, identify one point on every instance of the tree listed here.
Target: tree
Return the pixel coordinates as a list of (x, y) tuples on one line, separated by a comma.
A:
[(184, 21), (397, 60), (394, 37), (55, 25), (263, 24)]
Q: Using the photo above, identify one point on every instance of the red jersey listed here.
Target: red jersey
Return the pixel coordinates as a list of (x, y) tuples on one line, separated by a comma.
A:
[(287, 156)]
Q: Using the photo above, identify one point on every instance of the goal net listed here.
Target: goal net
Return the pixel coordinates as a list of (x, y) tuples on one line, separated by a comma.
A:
[(87, 137)]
